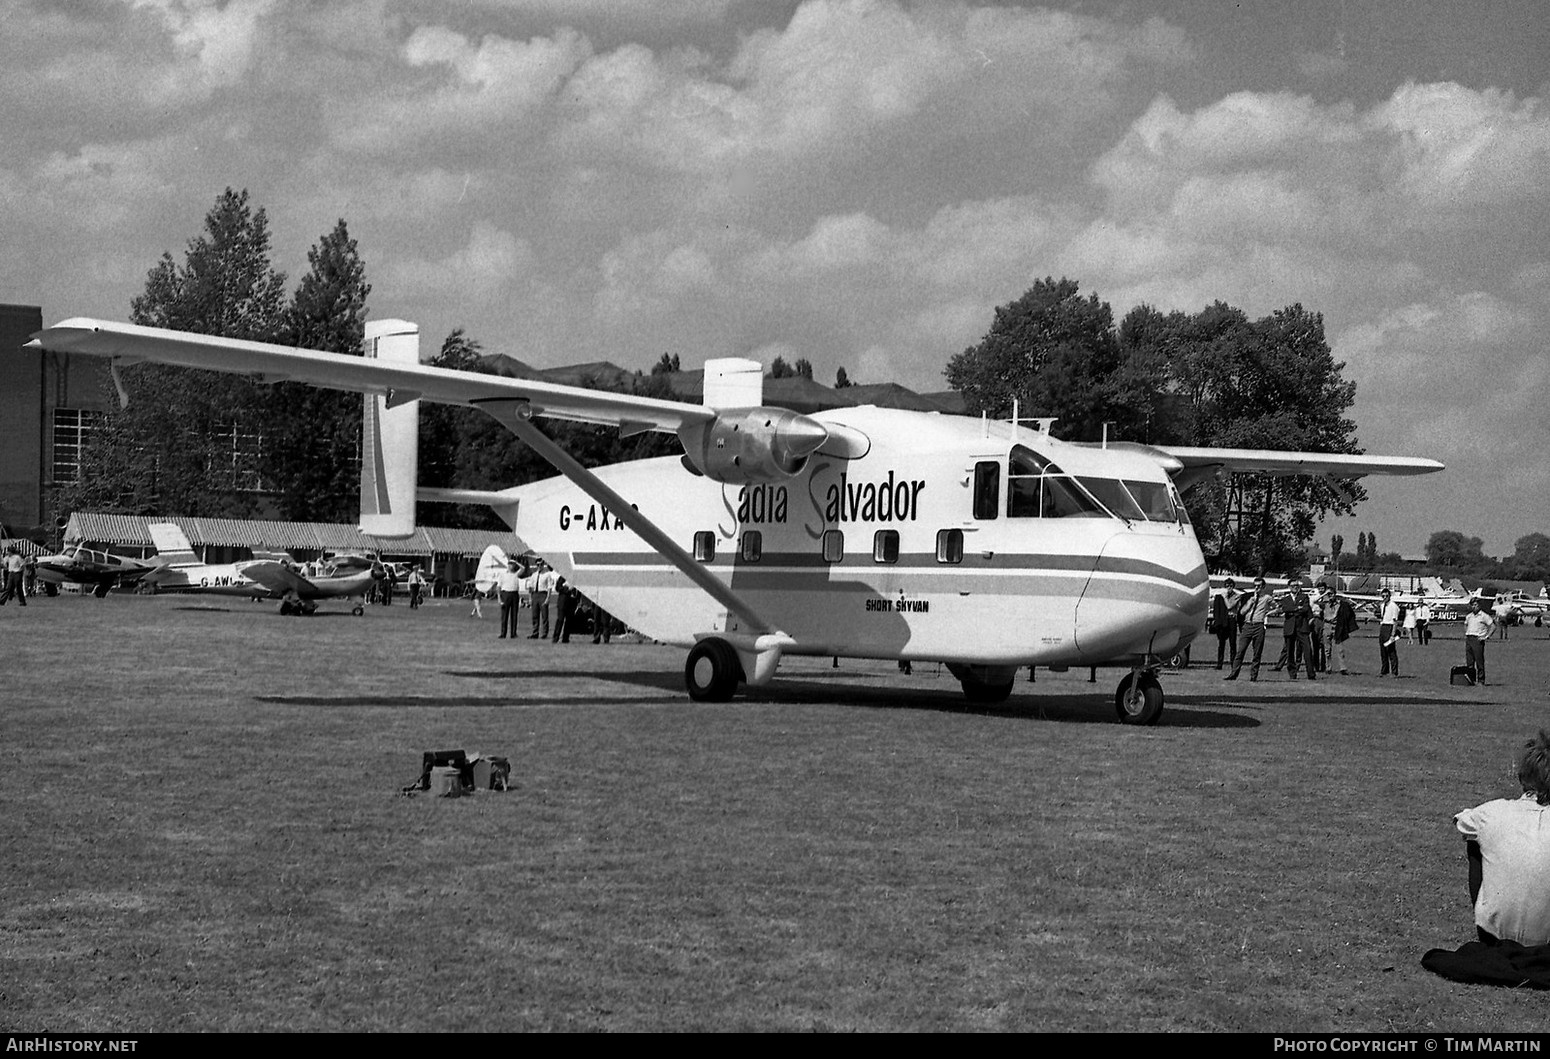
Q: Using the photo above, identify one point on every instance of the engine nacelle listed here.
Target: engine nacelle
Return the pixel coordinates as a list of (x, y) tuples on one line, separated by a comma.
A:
[(745, 445)]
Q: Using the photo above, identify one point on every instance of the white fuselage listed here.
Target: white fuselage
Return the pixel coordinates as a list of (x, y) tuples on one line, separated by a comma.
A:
[(901, 553)]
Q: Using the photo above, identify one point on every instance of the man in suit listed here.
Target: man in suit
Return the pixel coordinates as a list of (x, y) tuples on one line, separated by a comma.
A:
[(1297, 629)]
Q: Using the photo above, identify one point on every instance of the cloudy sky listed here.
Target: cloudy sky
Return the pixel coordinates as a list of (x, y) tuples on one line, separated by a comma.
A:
[(857, 182)]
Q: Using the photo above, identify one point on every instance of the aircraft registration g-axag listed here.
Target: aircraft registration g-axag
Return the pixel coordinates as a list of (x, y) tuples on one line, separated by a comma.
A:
[(860, 532), (297, 587)]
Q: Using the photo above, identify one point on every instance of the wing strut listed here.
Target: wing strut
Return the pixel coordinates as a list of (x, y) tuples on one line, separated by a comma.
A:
[(514, 415)]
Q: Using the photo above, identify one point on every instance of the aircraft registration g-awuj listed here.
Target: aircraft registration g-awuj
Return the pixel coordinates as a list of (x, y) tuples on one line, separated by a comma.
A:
[(859, 532)]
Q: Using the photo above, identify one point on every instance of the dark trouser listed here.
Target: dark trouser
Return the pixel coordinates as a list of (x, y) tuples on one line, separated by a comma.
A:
[(540, 601), (13, 587), (1474, 657), (1297, 652), (1226, 645), (1423, 635), (1253, 633), (510, 601), (562, 620), (1388, 653)]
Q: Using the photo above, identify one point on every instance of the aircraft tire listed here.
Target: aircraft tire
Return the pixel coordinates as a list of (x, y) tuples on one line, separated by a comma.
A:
[(50, 589), (978, 691), (712, 671), (101, 591), (1147, 704), (357, 610)]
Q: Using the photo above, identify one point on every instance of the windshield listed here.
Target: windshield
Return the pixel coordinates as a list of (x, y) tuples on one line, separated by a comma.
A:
[(1037, 488)]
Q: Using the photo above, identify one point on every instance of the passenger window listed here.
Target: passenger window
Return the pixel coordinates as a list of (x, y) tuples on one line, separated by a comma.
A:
[(705, 546), (753, 546), (987, 489), (949, 546), (833, 546), (885, 546)]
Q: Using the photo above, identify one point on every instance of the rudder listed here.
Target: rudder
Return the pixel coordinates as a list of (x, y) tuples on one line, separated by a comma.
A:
[(390, 429)]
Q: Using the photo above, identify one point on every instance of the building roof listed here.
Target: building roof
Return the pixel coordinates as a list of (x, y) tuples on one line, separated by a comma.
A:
[(285, 536)]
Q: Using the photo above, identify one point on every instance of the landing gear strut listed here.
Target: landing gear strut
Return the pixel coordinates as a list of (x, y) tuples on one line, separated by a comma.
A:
[(1139, 698)]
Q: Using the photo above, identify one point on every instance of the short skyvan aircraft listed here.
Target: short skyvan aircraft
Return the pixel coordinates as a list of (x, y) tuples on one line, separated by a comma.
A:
[(863, 532)]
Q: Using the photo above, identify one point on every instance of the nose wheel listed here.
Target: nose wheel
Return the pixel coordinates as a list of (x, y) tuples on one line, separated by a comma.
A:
[(1139, 698)]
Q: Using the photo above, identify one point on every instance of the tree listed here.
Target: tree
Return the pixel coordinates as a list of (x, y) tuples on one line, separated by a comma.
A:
[(779, 369), (1532, 550), (1454, 551), (312, 436), (666, 364), (1213, 378), (1336, 543), (1051, 351), (842, 380), (803, 368), (187, 443)]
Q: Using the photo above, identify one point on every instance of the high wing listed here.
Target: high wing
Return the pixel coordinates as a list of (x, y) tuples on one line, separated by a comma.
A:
[(1197, 463), (786, 438), (130, 343)]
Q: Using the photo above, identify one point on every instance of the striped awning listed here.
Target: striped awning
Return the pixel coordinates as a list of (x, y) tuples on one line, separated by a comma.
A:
[(130, 530)]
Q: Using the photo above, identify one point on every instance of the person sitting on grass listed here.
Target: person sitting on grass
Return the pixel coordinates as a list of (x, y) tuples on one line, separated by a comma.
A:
[(1508, 846)]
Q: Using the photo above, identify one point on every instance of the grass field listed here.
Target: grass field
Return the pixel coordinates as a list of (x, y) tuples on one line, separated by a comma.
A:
[(202, 831)]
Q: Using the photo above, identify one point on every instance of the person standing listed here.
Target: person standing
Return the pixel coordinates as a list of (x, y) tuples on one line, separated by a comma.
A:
[(1503, 611), (1477, 630), (543, 584), (1344, 628), (1423, 620), (1388, 635), (1224, 621), (509, 584), (564, 610), (1320, 631), (1255, 611), (471, 590), (15, 565), (1296, 629), (416, 586)]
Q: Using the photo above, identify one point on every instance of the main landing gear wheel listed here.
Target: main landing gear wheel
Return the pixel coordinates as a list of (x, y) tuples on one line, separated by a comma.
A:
[(712, 671), (1139, 701), (357, 610)]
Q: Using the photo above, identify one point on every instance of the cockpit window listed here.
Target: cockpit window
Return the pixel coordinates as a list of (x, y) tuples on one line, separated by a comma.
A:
[(1037, 488), (1155, 498), (1111, 492)]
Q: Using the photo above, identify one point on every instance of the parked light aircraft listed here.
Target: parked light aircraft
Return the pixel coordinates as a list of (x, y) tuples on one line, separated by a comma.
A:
[(865, 532), (298, 587), (79, 564)]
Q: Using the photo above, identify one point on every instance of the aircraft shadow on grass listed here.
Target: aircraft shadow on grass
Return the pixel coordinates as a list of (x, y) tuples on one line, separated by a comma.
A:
[(1094, 708)]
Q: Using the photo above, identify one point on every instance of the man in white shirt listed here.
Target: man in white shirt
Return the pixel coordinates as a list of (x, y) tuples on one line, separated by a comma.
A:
[(510, 585), (1256, 610), (1509, 854), (1477, 630), (1388, 636), (543, 584)]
